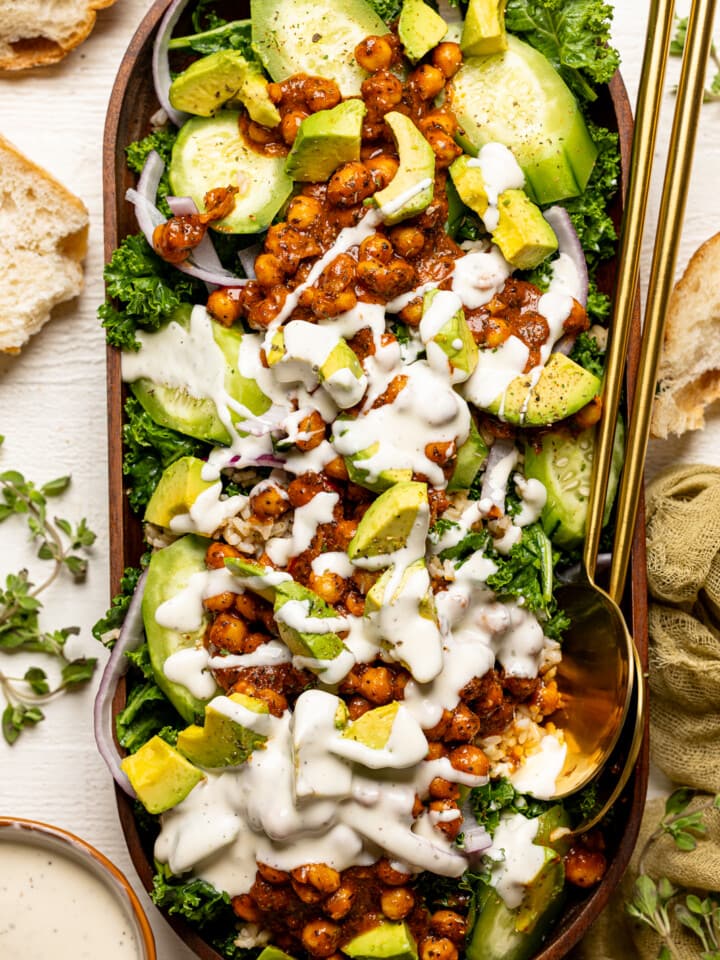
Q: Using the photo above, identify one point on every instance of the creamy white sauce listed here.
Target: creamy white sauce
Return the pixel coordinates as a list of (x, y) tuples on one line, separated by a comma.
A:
[(538, 773), (478, 276), (495, 371), (333, 562), (517, 859), (208, 512), (190, 668), (296, 615), (306, 520), (500, 171), (533, 497), (51, 905)]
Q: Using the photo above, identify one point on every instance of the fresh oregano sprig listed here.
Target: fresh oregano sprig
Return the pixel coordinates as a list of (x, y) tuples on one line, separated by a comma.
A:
[(654, 903), (64, 544)]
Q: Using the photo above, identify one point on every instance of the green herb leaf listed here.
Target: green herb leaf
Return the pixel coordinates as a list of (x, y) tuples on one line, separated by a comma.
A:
[(678, 801)]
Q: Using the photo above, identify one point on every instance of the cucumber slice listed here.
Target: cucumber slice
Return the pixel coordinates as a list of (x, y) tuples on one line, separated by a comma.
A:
[(564, 464), (518, 99), (304, 36), (211, 152)]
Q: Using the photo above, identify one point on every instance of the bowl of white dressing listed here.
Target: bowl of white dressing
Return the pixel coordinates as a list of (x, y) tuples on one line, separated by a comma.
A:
[(62, 898)]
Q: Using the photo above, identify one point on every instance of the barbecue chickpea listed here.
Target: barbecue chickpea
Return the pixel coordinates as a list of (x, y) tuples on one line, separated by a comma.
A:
[(328, 585), (447, 57), (262, 314), (321, 94), (268, 270), (357, 706), (451, 828), (319, 875), (397, 902), (320, 937), (440, 453), (439, 120), (382, 169), (228, 632), (584, 868), (382, 91), (339, 904), (220, 602), (326, 304), (275, 92), (276, 702), (217, 553), (224, 307), (290, 124), (376, 247), (374, 53), (436, 750), (412, 313), (464, 724), (447, 923), (336, 469), (245, 907), (438, 948), (272, 875), (428, 81), (338, 274), (389, 875), (344, 532), (306, 892), (376, 685), (590, 414), (249, 606), (350, 184), (443, 146), (259, 134), (302, 489), (407, 241), (441, 789), (268, 896), (269, 503), (311, 430), (469, 759), (304, 212), (388, 279)]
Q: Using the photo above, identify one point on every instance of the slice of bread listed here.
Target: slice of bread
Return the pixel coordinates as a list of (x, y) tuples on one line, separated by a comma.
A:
[(43, 239), (34, 33), (689, 373)]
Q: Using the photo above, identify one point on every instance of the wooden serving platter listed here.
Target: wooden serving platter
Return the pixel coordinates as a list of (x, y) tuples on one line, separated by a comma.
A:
[(132, 103)]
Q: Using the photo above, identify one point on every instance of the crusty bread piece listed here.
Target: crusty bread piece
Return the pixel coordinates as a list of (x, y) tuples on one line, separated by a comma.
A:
[(43, 239), (689, 373), (34, 33)]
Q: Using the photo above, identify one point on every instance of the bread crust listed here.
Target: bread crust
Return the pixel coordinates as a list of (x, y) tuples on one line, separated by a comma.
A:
[(37, 51), (41, 270), (689, 371)]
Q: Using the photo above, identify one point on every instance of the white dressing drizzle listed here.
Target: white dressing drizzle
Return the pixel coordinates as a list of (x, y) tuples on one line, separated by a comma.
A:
[(538, 773), (500, 172), (306, 520), (517, 859), (208, 512)]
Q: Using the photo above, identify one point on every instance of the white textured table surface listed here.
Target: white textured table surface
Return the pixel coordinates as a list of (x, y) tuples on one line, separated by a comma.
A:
[(52, 404)]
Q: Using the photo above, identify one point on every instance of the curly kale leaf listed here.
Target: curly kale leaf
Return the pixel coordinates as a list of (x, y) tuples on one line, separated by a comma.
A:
[(235, 35), (574, 35), (497, 797), (149, 448), (388, 10), (149, 291), (162, 142), (115, 616), (587, 353)]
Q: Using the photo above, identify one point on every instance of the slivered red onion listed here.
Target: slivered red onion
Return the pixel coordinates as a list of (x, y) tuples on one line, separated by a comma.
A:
[(247, 258), (204, 264), (569, 244), (130, 638), (565, 344), (476, 839), (161, 63)]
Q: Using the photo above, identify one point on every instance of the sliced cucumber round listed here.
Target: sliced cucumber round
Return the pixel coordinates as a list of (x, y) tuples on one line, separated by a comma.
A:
[(211, 152), (563, 463), (518, 99)]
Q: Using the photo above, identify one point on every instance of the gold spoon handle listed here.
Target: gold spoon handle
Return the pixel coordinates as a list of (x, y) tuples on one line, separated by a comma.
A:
[(670, 218), (657, 47)]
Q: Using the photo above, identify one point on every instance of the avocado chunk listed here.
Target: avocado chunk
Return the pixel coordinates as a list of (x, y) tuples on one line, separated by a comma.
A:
[(389, 521), (210, 82), (484, 28), (160, 776), (261, 580), (326, 140), (470, 183), (415, 177), (523, 234), (390, 940), (303, 36), (385, 479), (274, 953), (175, 406), (178, 488), (222, 741), (564, 387), (211, 152), (448, 337), (374, 727), (420, 29), (169, 572), (563, 464), (518, 99), (301, 642), (470, 457)]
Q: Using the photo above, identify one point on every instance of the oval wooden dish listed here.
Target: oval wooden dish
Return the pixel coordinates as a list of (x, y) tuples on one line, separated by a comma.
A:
[(131, 105)]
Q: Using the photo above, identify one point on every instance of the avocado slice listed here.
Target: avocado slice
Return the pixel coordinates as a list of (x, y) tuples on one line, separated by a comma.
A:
[(470, 457), (169, 572), (564, 387), (178, 488), (374, 727), (523, 234), (210, 82), (303, 36), (417, 164), (261, 580), (444, 326), (223, 742), (469, 182), (385, 479), (160, 775), (390, 520), (174, 406), (326, 140), (484, 28), (319, 646), (274, 953), (562, 461), (210, 152), (518, 99), (420, 29), (390, 940)]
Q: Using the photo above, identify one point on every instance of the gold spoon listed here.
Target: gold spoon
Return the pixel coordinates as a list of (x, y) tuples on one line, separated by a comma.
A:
[(672, 208), (597, 671)]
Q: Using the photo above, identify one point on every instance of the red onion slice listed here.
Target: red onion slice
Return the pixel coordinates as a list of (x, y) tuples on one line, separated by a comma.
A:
[(247, 258), (131, 637), (569, 244), (161, 63)]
